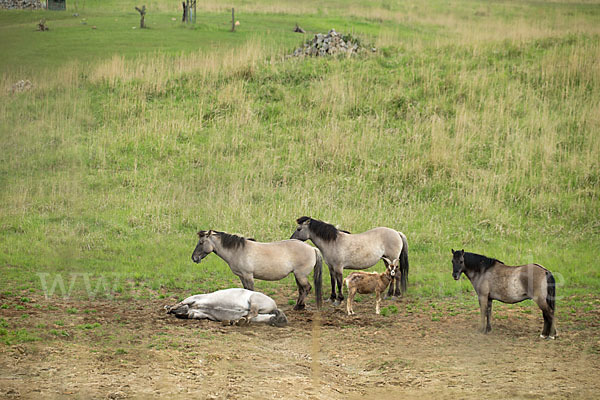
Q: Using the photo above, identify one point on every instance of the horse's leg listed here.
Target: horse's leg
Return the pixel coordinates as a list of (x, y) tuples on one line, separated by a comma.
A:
[(254, 307), (397, 291), (333, 280), (483, 304), (197, 314), (340, 283), (351, 294), (547, 314), (377, 301), (247, 282), (488, 327), (303, 290)]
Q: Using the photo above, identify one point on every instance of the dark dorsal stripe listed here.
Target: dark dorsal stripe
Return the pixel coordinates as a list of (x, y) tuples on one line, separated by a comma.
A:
[(323, 230), (478, 262), (229, 241)]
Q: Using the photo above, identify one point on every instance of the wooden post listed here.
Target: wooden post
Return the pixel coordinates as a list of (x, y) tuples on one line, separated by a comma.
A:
[(232, 20), (194, 11), (184, 17)]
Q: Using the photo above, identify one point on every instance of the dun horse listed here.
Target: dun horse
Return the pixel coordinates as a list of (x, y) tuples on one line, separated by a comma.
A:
[(267, 261), (493, 280), (355, 251)]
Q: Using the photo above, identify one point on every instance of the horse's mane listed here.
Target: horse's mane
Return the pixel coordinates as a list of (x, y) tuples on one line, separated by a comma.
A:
[(321, 229), (479, 262), (230, 241)]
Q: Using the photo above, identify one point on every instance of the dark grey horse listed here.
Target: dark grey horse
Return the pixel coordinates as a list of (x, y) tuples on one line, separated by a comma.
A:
[(493, 280), (249, 259), (342, 249)]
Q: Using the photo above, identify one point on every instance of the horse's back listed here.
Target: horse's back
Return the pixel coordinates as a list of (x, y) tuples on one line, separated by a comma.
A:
[(512, 284), (289, 249), (275, 260), (362, 250)]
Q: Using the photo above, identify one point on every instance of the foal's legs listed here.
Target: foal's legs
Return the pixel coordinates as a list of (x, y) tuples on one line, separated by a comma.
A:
[(303, 290), (351, 294), (377, 300), (397, 292)]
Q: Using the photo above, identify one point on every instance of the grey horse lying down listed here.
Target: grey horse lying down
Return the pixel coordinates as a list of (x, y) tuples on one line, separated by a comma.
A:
[(235, 305)]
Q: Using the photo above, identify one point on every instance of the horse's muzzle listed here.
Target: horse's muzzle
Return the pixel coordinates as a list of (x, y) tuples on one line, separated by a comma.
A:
[(196, 258), (456, 276), (279, 319)]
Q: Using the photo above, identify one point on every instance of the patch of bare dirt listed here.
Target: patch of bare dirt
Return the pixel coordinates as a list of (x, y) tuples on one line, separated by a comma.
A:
[(132, 349)]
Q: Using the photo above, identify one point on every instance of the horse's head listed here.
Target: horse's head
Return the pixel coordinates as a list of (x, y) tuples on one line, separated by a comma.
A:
[(458, 263), (204, 246), (302, 230), (279, 319)]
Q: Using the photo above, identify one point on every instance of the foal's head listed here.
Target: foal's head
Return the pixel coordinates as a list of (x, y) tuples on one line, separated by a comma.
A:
[(392, 266), (458, 263), (204, 246)]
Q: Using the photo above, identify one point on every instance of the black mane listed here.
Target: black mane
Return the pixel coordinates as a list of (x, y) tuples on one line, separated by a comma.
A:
[(321, 229), (478, 262), (229, 241)]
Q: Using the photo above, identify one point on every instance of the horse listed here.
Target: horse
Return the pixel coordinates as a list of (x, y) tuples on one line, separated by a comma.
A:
[(250, 259), (493, 280), (342, 249), (236, 305)]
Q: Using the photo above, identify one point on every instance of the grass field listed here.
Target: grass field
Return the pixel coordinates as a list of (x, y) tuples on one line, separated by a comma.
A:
[(475, 125)]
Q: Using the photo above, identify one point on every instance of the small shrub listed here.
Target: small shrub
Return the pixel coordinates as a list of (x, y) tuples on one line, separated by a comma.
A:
[(89, 326)]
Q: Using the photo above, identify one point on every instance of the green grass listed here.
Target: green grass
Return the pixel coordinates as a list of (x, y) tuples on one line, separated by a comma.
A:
[(474, 125)]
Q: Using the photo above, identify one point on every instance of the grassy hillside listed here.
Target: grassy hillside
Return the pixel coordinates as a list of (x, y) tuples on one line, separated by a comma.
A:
[(474, 125)]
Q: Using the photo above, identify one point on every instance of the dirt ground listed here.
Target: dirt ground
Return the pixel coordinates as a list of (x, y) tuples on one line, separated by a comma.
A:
[(132, 349)]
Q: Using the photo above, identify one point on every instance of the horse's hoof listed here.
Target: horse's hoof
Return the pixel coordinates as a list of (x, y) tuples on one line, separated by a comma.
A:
[(336, 303), (299, 307), (551, 337), (544, 337)]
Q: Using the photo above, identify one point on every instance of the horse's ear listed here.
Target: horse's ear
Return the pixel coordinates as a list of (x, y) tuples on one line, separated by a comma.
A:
[(462, 252), (452, 251), (302, 220)]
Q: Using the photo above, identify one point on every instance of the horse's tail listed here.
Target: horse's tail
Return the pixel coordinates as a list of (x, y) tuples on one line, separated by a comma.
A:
[(551, 296), (404, 263), (317, 278)]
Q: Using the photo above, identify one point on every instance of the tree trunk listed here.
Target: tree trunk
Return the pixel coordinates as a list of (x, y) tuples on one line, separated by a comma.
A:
[(142, 15)]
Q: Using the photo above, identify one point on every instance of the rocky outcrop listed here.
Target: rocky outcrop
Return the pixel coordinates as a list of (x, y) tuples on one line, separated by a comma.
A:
[(330, 44), (21, 4)]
